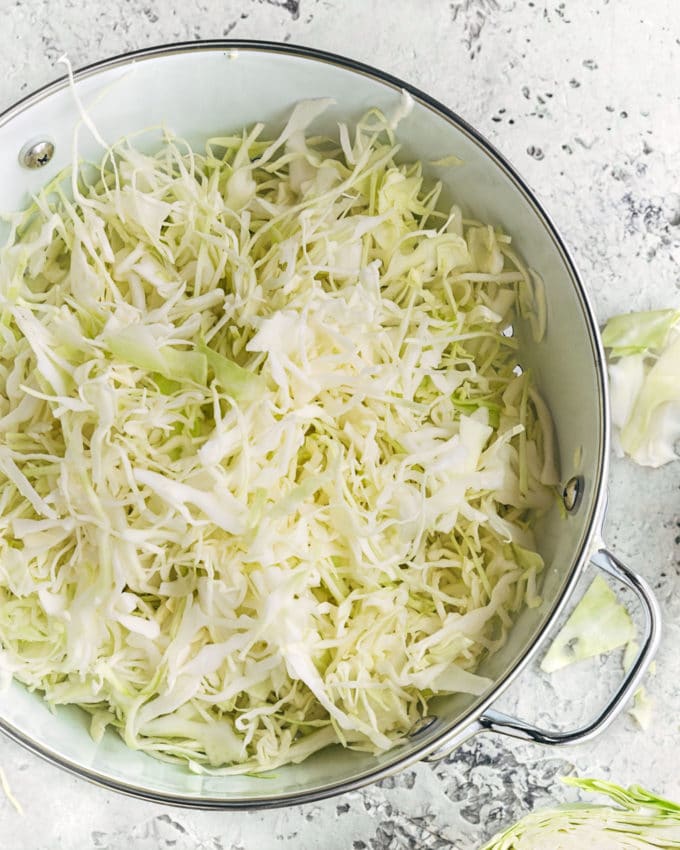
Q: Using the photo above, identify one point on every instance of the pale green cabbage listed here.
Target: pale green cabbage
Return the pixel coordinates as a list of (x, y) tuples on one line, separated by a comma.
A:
[(644, 377), (599, 623), (639, 820), (643, 709), (268, 463)]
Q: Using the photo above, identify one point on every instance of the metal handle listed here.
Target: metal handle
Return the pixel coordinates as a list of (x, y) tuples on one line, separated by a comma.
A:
[(495, 721)]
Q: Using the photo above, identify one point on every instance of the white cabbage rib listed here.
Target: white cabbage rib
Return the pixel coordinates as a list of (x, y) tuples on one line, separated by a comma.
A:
[(268, 464)]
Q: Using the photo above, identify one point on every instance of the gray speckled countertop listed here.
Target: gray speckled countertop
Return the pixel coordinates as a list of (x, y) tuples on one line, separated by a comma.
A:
[(582, 97)]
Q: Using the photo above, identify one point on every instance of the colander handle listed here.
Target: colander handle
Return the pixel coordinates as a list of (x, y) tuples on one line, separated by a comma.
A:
[(495, 721)]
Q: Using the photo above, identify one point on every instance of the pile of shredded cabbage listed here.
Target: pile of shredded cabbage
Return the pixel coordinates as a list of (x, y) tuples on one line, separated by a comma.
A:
[(268, 463)]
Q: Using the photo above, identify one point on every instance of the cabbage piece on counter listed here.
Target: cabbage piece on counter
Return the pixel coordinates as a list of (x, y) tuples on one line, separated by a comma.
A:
[(268, 464), (638, 820), (644, 377), (598, 624)]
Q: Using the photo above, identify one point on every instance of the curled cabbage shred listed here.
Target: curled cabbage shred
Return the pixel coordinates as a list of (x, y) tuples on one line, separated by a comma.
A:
[(269, 466), (632, 819)]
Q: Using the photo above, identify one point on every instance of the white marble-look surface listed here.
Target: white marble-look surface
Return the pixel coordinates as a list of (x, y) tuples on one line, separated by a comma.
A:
[(582, 97)]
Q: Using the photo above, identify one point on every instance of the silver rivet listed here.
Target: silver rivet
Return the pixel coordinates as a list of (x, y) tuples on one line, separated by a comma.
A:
[(421, 725), (36, 154), (573, 490)]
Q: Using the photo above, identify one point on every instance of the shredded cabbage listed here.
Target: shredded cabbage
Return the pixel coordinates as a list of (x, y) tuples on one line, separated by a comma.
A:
[(269, 464), (639, 820), (644, 377)]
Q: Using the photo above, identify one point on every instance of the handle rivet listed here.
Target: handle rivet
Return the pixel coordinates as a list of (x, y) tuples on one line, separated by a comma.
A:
[(572, 493), (421, 725), (36, 154)]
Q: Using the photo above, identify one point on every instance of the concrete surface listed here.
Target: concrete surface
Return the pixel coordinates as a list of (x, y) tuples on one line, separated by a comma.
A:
[(582, 96)]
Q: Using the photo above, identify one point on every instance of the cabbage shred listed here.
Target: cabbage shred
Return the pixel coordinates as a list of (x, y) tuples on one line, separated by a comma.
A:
[(269, 466)]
